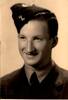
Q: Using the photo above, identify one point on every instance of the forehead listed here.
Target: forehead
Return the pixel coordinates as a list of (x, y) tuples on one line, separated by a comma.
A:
[(35, 27)]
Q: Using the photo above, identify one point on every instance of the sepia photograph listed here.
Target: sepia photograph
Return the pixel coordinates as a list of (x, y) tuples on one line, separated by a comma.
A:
[(33, 49)]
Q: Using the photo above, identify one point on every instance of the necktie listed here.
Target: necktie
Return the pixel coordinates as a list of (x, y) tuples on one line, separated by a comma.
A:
[(34, 85), (34, 80)]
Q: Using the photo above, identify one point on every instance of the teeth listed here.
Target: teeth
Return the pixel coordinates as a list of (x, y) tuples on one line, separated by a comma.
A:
[(32, 54)]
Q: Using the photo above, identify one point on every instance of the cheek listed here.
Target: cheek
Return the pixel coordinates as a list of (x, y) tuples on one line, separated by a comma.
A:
[(21, 44), (43, 48), (40, 46)]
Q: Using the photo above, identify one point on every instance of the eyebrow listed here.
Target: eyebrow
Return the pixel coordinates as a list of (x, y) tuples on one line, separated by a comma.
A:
[(38, 36)]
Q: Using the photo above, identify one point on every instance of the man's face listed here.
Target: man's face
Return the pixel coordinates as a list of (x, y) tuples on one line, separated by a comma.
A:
[(34, 43)]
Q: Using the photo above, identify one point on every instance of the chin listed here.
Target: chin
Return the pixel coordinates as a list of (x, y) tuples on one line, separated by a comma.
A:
[(32, 63)]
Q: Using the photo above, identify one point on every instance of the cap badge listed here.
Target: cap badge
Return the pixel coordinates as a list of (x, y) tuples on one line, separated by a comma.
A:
[(21, 18)]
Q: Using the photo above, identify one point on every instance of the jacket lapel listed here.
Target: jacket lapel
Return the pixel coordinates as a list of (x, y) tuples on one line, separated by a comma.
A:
[(52, 85)]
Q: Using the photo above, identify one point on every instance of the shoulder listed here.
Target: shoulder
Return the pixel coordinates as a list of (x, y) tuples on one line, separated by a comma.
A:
[(62, 81), (11, 78), (62, 77), (65, 82), (11, 82), (63, 72)]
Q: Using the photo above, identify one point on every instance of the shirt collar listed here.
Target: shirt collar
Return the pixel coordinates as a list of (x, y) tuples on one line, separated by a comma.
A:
[(40, 74)]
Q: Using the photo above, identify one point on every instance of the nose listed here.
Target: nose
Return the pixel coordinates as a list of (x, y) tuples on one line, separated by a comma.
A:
[(29, 46)]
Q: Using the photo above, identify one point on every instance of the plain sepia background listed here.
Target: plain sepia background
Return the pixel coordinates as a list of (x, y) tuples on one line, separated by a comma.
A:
[(10, 58)]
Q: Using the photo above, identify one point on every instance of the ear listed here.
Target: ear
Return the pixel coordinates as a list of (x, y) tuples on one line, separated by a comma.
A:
[(54, 41)]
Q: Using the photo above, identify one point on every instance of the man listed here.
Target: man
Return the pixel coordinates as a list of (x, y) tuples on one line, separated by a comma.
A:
[(40, 77)]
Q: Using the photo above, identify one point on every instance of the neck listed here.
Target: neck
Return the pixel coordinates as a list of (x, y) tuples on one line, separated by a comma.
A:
[(40, 67), (41, 73)]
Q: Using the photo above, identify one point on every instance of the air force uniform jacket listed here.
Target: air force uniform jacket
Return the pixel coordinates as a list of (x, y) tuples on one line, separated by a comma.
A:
[(16, 85)]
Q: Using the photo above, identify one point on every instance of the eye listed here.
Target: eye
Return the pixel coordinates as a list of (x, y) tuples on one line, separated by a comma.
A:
[(22, 37), (37, 38)]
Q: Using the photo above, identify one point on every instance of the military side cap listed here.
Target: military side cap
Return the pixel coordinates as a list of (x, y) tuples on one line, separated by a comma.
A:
[(22, 13)]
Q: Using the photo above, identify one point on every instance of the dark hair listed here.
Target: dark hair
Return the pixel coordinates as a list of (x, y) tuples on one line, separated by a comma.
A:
[(34, 12)]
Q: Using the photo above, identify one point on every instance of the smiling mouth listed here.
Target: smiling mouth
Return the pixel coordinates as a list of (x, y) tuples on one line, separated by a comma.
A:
[(31, 54)]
